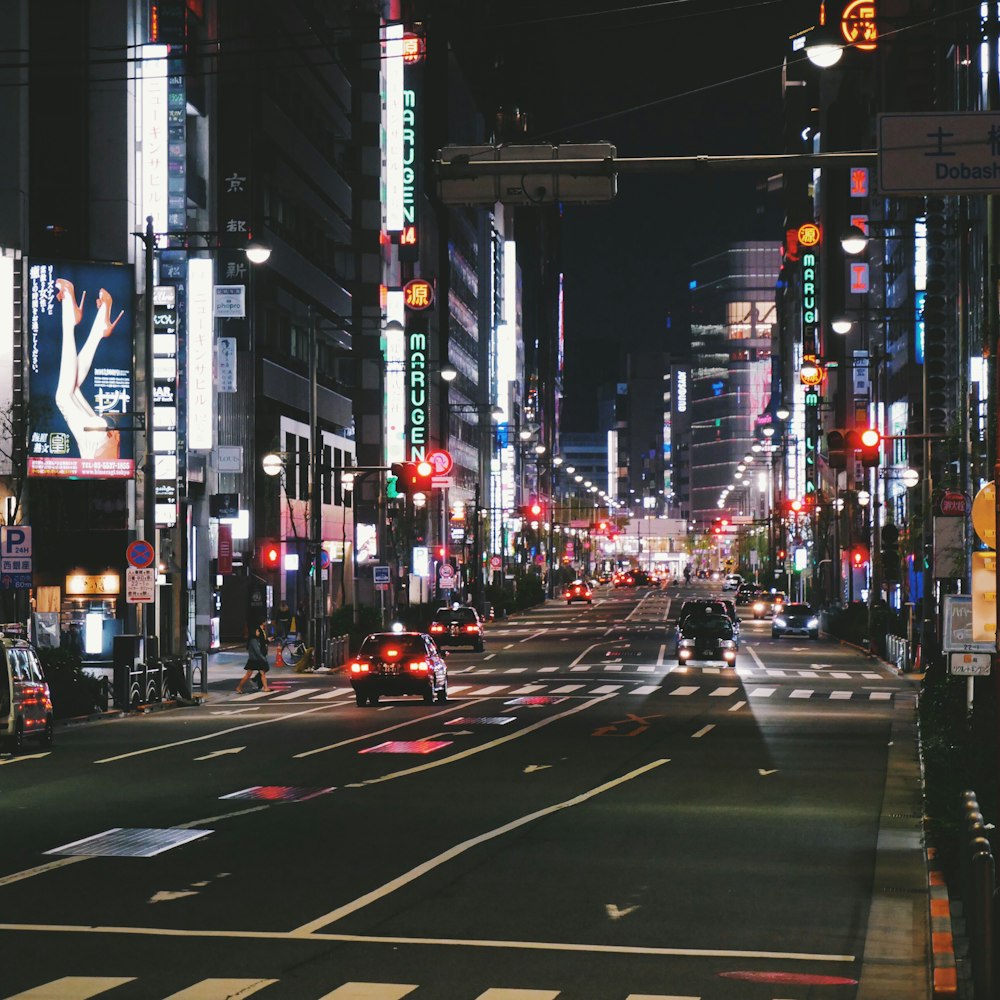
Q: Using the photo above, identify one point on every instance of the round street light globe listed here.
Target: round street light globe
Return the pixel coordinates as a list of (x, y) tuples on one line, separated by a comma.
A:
[(854, 240), (272, 464), (864, 498), (841, 324), (768, 432), (910, 478), (257, 253), (783, 413)]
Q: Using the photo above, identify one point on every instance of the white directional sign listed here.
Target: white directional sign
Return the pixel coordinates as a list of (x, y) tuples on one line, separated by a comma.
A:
[(140, 584), (957, 153)]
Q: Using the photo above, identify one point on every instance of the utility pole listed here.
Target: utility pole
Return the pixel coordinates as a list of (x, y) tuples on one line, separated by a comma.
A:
[(317, 609)]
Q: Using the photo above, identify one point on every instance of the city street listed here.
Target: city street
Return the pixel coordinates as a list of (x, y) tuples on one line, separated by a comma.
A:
[(584, 819)]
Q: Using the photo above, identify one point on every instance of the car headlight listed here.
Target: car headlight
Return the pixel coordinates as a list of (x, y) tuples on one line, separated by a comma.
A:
[(686, 644), (812, 623), (780, 622), (759, 606), (727, 644)]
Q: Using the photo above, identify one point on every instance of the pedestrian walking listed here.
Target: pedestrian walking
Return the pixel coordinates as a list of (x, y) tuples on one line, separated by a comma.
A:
[(284, 620), (256, 660)]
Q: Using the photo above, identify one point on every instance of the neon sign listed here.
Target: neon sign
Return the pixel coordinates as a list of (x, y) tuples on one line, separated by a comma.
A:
[(418, 294), (416, 394), (808, 234), (857, 25), (810, 300)]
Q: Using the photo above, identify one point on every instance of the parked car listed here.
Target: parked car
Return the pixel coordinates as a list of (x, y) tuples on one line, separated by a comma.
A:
[(795, 619), (458, 625), (706, 637), (578, 591), (25, 702), (399, 663)]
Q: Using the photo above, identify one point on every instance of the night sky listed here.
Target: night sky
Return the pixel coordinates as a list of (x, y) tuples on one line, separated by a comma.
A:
[(682, 77)]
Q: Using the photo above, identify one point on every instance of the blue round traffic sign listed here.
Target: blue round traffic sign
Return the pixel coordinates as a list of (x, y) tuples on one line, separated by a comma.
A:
[(140, 553)]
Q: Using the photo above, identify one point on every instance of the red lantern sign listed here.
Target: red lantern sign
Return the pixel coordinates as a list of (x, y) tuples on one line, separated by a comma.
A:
[(418, 294)]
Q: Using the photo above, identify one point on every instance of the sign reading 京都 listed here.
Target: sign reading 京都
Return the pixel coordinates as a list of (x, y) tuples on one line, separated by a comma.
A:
[(80, 334)]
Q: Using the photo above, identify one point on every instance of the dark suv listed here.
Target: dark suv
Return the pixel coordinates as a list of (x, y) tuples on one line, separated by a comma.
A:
[(460, 626), (398, 663), (700, 606), (706, 637)]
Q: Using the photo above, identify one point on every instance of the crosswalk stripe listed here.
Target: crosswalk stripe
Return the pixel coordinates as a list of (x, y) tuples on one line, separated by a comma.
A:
[(761, 692), (723, 692), (645, 689), (74, 988), (613, 666), (548, 670), (840, 695), (516, 670), (567, 689), (296, 693), (872, 677), (684, 691), (801, 693), (807, 673), (880, 695), (840, 675), (585, 666), (330, 695), (646, 670), (495, 994), (529, 689), (221, 989), (659, 996), (455, 688), (255, 696), (492, 689), (607, 689), (369, 991)]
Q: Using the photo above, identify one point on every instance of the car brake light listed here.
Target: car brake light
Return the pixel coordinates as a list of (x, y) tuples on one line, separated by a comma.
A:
[(359, 668), (391, 653), (437, 628), (418, 666), (471, 628)]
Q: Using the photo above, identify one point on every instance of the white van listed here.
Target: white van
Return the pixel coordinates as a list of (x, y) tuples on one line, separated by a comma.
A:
[(25, 702)]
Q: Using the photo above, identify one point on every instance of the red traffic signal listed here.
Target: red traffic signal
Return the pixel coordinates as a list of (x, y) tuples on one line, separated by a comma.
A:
[(859, 556), (413, 477), (270, 555), (871, 445)]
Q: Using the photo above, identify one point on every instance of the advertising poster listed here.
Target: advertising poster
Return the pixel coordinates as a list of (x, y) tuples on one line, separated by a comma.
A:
[(81, 326)]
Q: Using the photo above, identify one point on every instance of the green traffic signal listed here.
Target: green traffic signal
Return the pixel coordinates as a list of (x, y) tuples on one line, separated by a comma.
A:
[(390, 488)]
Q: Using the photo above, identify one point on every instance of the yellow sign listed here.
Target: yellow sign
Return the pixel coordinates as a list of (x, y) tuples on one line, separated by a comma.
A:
[(984, 515), (79, 585), (984, 596), (809, 234)]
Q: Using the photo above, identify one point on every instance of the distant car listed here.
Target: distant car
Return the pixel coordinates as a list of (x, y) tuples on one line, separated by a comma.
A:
[(765, 602), (624, 579), (747, 593), (458, 626), (732, 582), (578, 591), (795, 619), (778, 600), (706, 637), (399, 663)]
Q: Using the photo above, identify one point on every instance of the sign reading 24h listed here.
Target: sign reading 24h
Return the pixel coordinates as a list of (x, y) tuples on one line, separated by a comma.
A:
[(957, 153), (15, 557)]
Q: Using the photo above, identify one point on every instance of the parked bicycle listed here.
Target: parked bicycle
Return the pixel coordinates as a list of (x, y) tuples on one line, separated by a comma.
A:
[(293, 650)]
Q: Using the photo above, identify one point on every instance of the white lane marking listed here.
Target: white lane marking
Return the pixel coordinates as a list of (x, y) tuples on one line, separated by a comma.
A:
[(807, 673), (578, 669), (74, 988), (528, 689), (483, 692), (737, 706), (645, 689), (253, 696), (684, 691), (723, 692), (607, 689), (613, 666), (453, 852), (840, 695), (221, 753), (534, 635), (295, 693), (379, 732), (330, 695), (841, 676), (801, 693), (509, 645), (369, 991), (548, 670), (488, 656), (566, 689), (711, 670), (506, 994), (761, 692), (25, 756), (210, 736), (872, 677), (516, 670), (220, 989), (756, 658), (436, 943), (661, 654), (701, 732), (455, 688), (40, 870), (646, 670), (880, 695), (771, 672)]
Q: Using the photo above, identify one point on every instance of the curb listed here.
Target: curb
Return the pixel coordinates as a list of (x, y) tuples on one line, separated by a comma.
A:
[(945, 970)]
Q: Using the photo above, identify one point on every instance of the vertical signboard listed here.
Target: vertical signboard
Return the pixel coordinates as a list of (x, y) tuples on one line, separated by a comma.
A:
[(165, 406), (81, 330), (7, 314), (199, 355)]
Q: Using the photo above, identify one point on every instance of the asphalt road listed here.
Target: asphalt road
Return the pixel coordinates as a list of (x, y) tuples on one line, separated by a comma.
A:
[(582, 819)]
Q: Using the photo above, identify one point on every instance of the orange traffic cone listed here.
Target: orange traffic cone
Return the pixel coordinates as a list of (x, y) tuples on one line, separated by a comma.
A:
[(278, 660)]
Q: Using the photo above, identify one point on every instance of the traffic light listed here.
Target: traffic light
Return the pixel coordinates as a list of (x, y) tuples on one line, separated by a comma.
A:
[(890, 552), (412, 477), (836, 450), (269, 554), (424, 478), (859, 556), (871, 447), (795, 507)]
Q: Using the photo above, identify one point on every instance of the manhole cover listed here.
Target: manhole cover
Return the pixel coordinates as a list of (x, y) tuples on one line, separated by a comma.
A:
[(136, 843), (277, 793)]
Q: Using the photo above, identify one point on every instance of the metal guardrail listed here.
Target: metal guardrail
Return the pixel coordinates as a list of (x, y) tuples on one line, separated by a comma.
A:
[(337, 651), (978, 872), (140, 684)]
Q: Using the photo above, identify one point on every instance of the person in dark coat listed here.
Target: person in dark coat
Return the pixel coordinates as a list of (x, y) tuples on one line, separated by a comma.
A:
[(256, 659)]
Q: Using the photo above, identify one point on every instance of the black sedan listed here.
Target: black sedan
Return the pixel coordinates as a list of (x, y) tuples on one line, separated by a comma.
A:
[(458, 626), (399, 663), (706, 637), (795, 619)]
